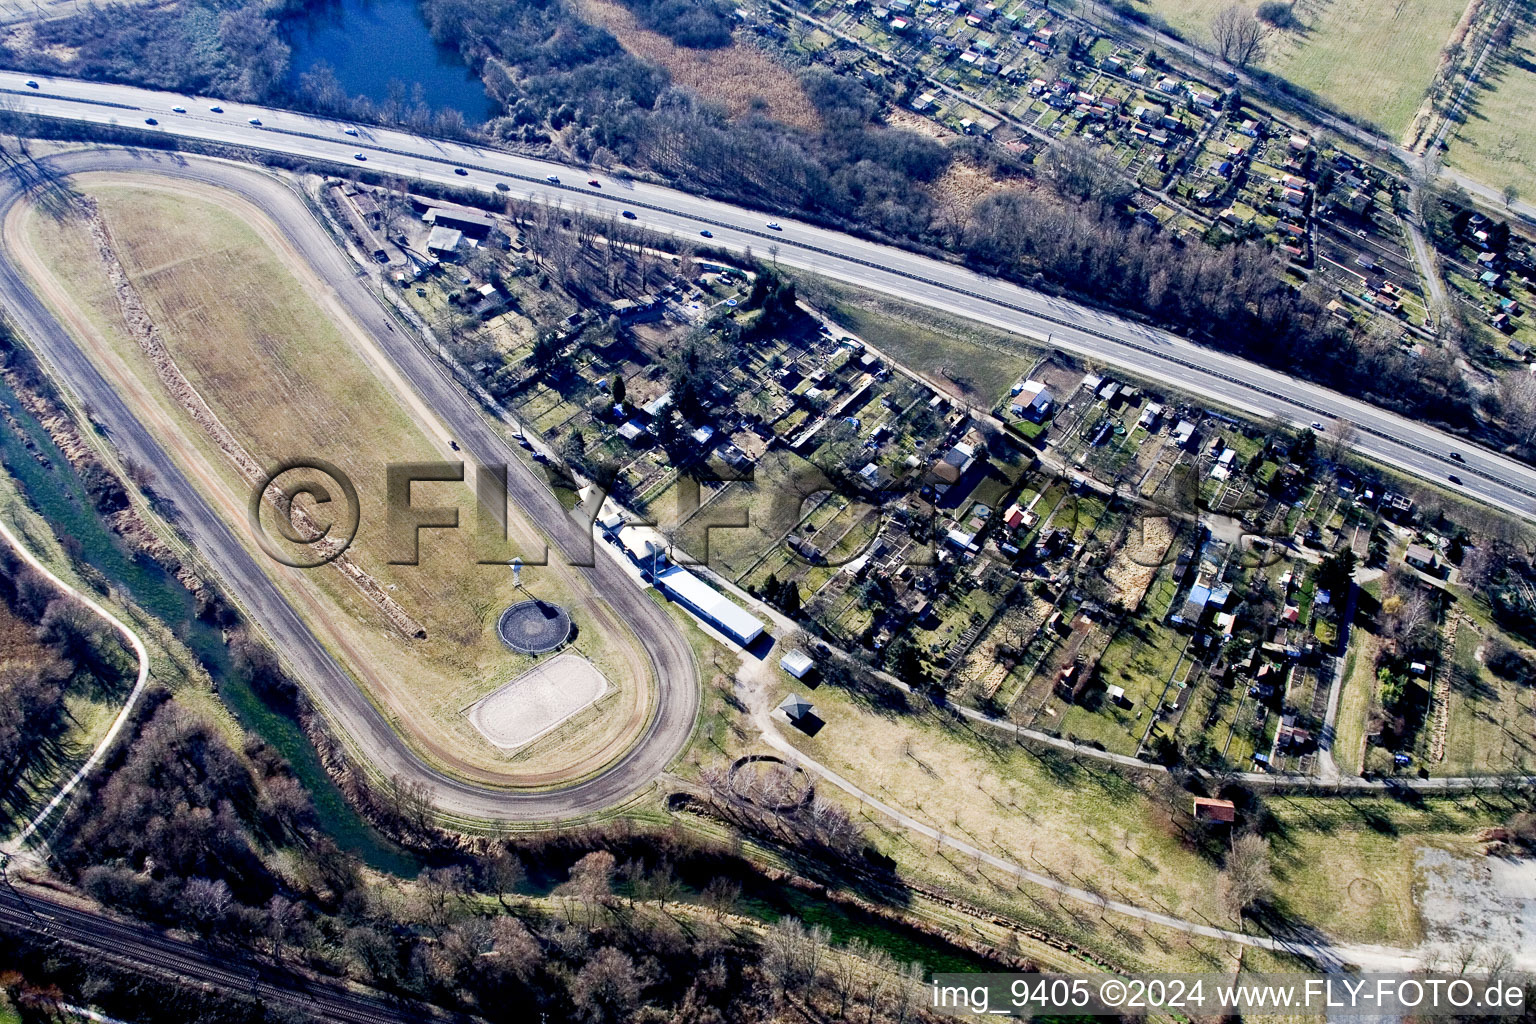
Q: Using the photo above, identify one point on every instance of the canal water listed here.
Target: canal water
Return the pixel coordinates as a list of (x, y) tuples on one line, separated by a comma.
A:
[(54, 490), (372, 44)]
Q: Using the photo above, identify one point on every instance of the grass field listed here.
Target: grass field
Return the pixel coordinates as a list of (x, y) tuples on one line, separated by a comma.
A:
[(964, 359), (1374, 60), (1080, 823), (288, 375), (1495, 143)]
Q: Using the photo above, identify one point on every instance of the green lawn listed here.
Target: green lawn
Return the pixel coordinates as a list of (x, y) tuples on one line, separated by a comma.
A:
[(964, 358), (1495, 143), (1370, 58), (1489, 729)]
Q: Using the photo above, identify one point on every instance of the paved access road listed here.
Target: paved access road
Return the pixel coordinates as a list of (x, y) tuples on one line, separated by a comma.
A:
[(1152, 354), (358, 720)]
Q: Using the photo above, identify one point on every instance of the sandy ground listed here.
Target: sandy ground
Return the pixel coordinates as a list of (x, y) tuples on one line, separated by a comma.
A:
[(1484, 902), (538, 701)]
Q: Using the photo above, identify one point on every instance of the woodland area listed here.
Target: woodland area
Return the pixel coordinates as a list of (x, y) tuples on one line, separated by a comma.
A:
[(51, 647)]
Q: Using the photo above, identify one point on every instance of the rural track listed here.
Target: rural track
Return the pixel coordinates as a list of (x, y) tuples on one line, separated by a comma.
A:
[(119, 722), (345, 706)]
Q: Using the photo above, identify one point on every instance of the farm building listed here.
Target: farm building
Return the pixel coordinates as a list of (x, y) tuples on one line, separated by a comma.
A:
[(709, 604), (797, 664), (1207, 810), (444, 241), (471, 224)]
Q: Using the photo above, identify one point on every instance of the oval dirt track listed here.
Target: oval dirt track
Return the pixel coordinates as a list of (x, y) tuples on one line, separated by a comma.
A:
[(347, 708)]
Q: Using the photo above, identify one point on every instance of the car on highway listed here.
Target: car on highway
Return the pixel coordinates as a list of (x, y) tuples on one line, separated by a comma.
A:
[(253, 120), (594, 183), (1316, 425), (178, 110), (707, 233), (1453, 478), (150, 120), (629, 214), (461, 172), (502, 186), (31, 84), (359, 156), (773, 225), (1457, 457), (553, 179), (216, 110), (349, 131)]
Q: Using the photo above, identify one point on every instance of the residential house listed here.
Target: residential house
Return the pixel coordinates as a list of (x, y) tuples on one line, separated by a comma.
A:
[(1031, 400), (955, 462), (1421, 557)]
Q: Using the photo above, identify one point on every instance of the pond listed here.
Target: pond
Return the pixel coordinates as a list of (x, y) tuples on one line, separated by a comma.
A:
[(374, 45), (51, 486)]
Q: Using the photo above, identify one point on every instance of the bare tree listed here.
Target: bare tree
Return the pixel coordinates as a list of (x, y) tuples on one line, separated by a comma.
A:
[(411, 802), (1339, 440), (1081, 171), (608, 987), (504, 873), (591, 882), (720, 896), (1517, 404), (1247, 877), (1238, 35)]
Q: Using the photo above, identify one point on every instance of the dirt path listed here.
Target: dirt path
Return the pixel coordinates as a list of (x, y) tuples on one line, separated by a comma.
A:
[(123, 714)]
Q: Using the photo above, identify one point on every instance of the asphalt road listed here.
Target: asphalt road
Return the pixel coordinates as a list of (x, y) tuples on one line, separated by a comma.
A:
[(95, 935), (1153, 354), (348, 709)]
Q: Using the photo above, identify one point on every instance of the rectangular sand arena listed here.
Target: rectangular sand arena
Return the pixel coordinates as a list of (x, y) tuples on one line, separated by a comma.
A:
[(537, 701)]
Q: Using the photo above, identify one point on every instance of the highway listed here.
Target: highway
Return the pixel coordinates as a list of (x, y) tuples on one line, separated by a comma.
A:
[(1152, 354), (379, 746)]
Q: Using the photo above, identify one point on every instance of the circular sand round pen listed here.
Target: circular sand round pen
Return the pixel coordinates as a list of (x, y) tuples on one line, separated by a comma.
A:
[(534, 627)]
